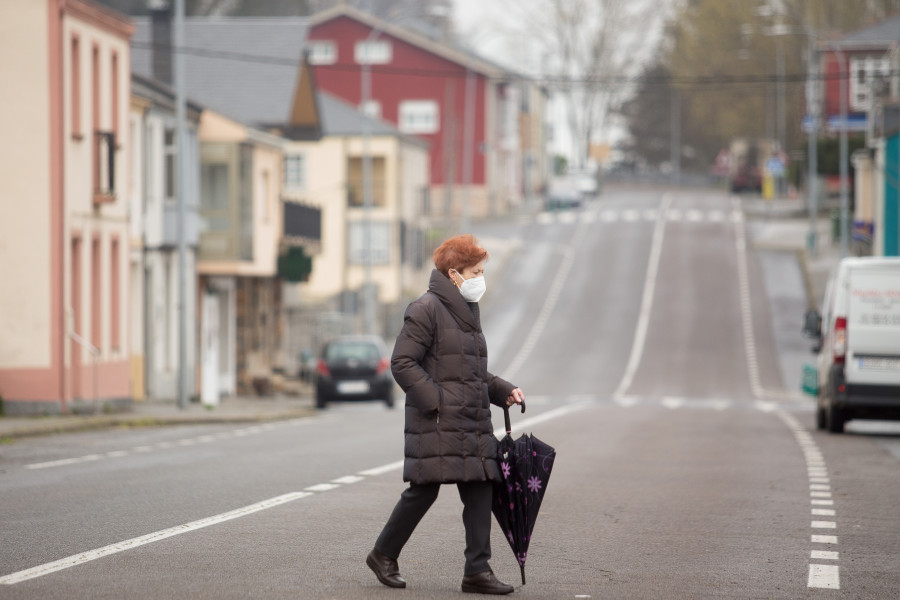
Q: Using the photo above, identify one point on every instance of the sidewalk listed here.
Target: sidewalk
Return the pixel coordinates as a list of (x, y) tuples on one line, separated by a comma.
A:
[(241, 409)]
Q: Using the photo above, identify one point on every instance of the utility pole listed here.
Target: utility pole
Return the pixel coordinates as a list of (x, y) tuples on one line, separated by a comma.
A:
[(812, 111), (180, 176)]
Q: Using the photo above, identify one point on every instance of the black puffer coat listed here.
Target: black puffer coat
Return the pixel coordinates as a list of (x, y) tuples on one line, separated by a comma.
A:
[(440, 361)]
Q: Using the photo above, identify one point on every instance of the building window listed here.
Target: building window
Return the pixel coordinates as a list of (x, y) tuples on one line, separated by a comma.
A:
[(294, 172), (114, 294), (373, 52), (355, 182), (114, 93), (419, 116), (371, 109), (264, 196), (95, 116), (867, 74), (170, 151), (96, 308), (322, 52), (380, 241), (76, 87)]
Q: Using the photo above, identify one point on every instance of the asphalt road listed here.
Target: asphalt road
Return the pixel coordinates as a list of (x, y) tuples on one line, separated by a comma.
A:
[(640, 329)]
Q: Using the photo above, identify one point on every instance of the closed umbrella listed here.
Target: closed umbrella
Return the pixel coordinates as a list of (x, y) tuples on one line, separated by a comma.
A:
[(525, 465)]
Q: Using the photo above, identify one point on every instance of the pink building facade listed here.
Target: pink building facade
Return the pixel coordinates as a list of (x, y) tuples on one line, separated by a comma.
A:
[(63, 214)]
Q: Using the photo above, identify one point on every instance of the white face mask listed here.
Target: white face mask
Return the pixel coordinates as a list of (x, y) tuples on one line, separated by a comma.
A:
[(472, 289)]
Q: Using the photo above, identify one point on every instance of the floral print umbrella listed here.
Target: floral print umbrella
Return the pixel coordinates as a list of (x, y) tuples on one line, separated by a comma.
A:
[(525, 465)]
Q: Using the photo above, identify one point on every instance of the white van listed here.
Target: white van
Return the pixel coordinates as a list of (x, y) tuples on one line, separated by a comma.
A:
[(859, 343)]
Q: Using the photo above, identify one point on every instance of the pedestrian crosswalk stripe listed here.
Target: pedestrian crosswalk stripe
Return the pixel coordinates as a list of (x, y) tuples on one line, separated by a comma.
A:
[(633, 215)]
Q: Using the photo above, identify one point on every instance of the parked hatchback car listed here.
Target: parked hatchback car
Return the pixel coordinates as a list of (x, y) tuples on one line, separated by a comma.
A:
[(858, 343), (354, 368)]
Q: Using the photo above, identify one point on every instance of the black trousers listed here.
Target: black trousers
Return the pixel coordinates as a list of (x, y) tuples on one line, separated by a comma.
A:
[(417, 499)]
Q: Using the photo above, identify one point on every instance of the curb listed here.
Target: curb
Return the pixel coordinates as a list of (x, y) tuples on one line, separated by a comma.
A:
[(80, 424)]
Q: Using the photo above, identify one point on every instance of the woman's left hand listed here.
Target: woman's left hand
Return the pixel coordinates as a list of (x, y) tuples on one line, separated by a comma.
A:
[(517, 396)]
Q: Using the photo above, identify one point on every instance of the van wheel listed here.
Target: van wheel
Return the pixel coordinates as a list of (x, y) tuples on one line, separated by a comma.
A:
[(821, 421), (835, 419)]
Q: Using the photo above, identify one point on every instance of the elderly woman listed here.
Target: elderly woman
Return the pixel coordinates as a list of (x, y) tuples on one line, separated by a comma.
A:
[(440, 361)]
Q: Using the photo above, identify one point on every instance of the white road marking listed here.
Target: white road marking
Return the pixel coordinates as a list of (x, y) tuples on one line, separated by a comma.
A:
[(320, 487), (694, 216), (819, 486), (822, 502), (824, 576), (820, 494), (630, 216), (672, 403), (382, 469), (348, 479), (553, 294), (80, 559), (625, 401), (640, 333), (823, 525), (823, 555), (674, 215), (609, 216), (116, 454), (823, 512), (64, 461), (824, 539)]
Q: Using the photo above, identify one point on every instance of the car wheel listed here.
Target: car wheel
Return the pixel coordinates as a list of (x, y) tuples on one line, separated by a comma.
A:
[(835, 418), (321, 402), (820, 417), (389, 400)]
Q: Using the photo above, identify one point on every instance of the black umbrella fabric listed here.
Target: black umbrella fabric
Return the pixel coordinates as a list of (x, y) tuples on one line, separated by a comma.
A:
[(525, 465)]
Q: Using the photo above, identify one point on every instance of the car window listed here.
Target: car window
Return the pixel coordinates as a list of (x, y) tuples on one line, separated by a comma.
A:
[(352, 351)]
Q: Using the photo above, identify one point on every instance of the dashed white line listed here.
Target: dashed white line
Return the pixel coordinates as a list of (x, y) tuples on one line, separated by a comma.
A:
[(824, 539), (824, 576)]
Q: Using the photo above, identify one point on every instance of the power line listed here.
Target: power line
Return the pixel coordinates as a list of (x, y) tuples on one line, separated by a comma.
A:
[(558, 81)]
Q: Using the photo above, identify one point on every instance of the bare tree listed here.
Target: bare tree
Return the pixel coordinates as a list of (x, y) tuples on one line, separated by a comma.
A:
[(591, 49)]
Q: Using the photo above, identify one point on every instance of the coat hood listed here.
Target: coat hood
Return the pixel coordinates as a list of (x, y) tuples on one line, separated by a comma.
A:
[(465, 313)]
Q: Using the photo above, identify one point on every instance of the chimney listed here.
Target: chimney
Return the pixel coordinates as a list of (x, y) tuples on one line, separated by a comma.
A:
[(161, 38)]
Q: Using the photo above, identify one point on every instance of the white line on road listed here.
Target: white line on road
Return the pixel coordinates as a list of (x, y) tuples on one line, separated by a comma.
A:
[(824, 576), (824, 539), (640, 333), (553, 295), (79, 559)]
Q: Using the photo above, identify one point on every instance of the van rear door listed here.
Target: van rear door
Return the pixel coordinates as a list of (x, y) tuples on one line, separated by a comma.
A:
[(873, 325)]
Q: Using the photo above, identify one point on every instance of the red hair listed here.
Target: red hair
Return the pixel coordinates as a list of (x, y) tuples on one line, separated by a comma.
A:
[(458, 253)]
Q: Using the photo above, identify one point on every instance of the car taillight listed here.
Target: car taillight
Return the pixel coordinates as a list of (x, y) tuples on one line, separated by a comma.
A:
[(383, 365), (322, 368), (839, 346)]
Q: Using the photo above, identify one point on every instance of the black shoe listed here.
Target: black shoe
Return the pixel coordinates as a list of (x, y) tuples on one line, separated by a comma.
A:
[(385, 569), (485, 583)]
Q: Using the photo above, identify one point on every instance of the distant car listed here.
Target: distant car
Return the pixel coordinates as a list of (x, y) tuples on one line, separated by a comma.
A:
[(354, 368), (563, 198)]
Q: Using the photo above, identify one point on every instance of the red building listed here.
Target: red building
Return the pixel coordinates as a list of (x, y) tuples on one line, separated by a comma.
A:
[(474, 114)]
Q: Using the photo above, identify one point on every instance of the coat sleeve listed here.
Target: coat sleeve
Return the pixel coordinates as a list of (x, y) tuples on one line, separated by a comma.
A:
[(413, 343), (499, 389)]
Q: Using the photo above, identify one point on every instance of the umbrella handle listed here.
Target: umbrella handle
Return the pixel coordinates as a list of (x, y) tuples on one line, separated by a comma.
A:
[(506, 417)]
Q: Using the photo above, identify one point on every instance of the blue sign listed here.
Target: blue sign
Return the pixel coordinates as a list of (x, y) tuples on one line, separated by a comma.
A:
[(775, 167)]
